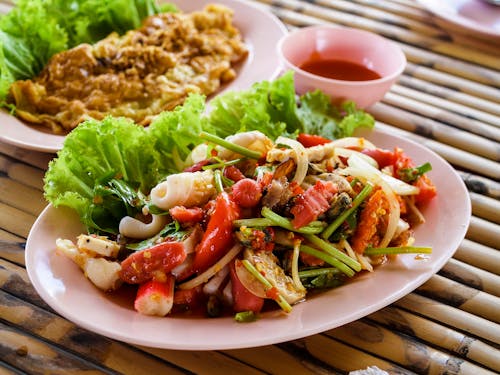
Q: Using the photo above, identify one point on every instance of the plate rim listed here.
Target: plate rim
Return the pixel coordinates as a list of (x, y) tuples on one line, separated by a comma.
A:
[(459, 20), (422, 277)]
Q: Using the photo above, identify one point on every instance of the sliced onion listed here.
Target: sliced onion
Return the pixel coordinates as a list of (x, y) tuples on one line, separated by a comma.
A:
[(353, 142), (373, 174), (359, 168), (394, 214), (402, 226), (347, 152), (415, 211), (295, 265), (215, 282), (300, 157), (227, 294), (205, 276), (253, 285), (365, 264)]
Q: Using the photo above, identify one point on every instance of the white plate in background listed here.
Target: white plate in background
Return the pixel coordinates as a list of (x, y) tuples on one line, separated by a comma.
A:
[(260, 29)]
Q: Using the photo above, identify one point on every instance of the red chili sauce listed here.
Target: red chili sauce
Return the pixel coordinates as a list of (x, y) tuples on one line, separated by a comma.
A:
[(338, 69)]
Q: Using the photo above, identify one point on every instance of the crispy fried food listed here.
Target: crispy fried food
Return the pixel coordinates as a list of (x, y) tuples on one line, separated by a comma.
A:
[(136, 75)]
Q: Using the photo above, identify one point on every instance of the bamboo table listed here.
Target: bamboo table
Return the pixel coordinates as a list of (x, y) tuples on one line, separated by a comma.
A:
[(447, 99)]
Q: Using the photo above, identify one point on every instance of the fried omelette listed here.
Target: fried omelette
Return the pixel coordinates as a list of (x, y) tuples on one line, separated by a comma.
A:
[(137, 75)]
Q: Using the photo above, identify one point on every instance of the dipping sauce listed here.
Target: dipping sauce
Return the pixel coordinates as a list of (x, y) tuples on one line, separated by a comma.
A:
[(339, 69)]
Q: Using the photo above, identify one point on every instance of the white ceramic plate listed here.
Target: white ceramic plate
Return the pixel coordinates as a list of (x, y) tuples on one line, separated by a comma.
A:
[(64, 287), (476, 16), (260, 29)]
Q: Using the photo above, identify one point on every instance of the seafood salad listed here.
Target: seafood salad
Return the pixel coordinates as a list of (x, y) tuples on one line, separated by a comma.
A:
[(252, 220)]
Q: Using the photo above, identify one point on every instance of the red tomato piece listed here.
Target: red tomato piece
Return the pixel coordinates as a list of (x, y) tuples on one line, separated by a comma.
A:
[(427, 190), (233, 173), (312, 203), (310, 140), (243, 299), (189, 299), (247, 193), (218, 237), (381, 156), (142, 266), (311, 260), (186, 215)]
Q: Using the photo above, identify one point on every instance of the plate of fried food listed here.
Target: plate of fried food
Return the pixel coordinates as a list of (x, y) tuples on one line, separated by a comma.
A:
[(132, 63)]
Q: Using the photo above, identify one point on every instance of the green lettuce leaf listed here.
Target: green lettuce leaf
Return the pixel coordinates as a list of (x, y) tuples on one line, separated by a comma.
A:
[(94, 154), (267, 106), (319, 116), (274, 109), (175, 133)]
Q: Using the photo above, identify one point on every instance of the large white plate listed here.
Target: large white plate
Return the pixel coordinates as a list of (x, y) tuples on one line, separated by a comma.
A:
[(261, 31), (63, 286), (476, 16)]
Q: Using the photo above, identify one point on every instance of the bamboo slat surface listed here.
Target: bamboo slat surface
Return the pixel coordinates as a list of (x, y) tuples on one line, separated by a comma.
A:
[(447, 99)]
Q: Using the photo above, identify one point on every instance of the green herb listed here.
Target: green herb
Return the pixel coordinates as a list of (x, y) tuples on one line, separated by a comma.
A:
[(245, 317), (320, 278), (282, 302), (218, 181), (231, 146), (340, 219), (311, 228), (172, 231), (413, 174), (398, 250), (328, 259), (333, 251)]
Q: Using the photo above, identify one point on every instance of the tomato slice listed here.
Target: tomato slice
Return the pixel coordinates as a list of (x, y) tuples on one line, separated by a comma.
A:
[(381, 156), (186, 215), (142, 266), (310, 140), (427, 190), (218, 237), (243, 299)]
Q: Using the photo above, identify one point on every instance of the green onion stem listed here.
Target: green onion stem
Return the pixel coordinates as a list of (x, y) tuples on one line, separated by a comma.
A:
[(285, 223), (318, 272), (398, 250), (313, 226), (222, 164), (218, 181), (285, 306), (245, 317), (334, 252), (231, 146), (328, 259), (340, 219), (255, 222)]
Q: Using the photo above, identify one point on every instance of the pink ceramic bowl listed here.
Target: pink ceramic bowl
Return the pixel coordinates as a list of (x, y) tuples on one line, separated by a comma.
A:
[(349, 45)]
